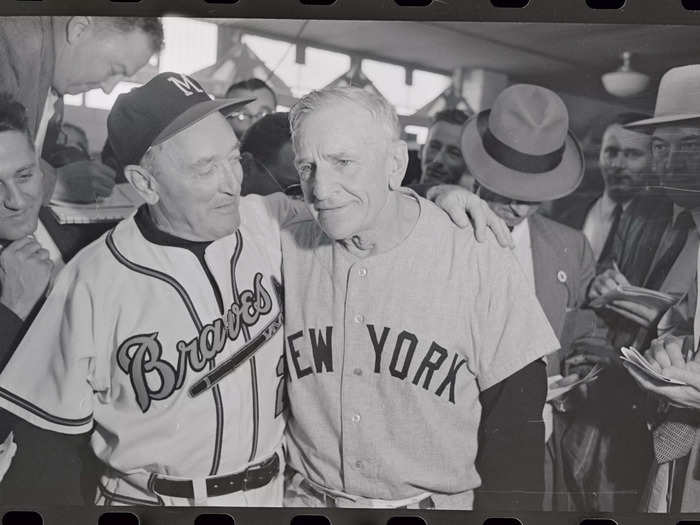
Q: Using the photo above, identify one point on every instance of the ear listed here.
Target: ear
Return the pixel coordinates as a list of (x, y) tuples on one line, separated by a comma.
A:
[(143, 182), (78, 27), (398, 163)]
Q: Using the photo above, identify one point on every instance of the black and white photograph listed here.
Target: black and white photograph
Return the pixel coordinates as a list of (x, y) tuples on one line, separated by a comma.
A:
[(423, 265)]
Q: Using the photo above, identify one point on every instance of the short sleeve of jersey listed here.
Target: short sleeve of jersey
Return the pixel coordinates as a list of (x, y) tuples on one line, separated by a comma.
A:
[(285, 210), (509, 327), (47, 380)]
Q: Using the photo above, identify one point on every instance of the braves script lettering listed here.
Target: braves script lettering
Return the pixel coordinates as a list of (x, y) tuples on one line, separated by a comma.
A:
[(140, 356)]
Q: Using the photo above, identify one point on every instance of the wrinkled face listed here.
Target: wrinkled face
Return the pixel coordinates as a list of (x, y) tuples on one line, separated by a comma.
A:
[(21, 191), (625, 162), (100, 57), (512, 211), (264, 104), (676, 157), (441, 157), (344, 160), (199, 181)]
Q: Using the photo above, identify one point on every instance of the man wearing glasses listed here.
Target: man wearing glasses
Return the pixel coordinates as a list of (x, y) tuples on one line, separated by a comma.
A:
[(265, 103)]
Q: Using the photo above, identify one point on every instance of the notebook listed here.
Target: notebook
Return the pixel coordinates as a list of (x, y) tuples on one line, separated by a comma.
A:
[(116, 207)]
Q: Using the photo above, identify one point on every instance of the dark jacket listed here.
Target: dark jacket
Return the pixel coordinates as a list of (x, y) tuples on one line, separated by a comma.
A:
[(564, 268), (573, 212)]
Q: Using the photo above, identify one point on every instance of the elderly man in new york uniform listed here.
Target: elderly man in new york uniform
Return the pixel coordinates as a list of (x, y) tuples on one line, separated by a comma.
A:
[(418, 320)]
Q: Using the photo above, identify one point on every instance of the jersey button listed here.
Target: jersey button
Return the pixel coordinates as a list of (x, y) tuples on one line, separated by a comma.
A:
[(363, 272), (357, 371), (359, 464), (356, 418), (359, 319)]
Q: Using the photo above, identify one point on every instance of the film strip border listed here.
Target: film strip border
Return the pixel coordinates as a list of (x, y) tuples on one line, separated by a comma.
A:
[(684, 12), (559, 11), (186, 516)]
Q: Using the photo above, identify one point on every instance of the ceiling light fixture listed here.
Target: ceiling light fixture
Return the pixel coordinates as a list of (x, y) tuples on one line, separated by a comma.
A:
[(625, 82)]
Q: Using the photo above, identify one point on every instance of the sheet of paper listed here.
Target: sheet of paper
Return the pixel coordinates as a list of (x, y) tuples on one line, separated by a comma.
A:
[(117, 206), (7, 451), (555, 389), (633, 357), (645, 296)]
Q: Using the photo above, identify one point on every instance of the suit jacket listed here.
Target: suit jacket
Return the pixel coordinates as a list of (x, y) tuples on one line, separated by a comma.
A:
[(27, 60), (634, 249), (564, 267), (574, 212), (609, 446)]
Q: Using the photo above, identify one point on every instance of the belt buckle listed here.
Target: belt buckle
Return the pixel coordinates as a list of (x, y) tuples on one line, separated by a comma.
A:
[(252, 474)]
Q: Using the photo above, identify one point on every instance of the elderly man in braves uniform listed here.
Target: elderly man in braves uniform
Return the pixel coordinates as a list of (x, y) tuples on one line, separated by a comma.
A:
[(161, 339), (384, 382), (143, 325)]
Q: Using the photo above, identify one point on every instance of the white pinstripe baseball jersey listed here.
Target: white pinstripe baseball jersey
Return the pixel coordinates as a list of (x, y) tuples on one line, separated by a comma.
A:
[(132, 340)]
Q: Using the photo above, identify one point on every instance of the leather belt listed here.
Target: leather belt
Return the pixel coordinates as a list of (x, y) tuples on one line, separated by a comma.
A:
[(253, 477)]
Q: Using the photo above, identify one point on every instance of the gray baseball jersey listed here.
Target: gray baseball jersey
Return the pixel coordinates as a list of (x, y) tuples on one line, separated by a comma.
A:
[(387, 355), (132, 341)]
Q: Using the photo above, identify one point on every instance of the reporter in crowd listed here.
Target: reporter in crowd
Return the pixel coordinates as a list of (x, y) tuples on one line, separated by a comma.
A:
[(44, 58)]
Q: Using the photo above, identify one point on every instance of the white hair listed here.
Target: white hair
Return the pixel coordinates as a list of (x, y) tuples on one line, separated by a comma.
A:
[(153, 158), (376, 105)]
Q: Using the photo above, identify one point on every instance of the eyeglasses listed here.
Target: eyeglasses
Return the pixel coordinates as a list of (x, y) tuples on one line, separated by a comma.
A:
[(242, 115)]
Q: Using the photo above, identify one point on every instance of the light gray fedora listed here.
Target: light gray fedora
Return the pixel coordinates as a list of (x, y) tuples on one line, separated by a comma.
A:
[(678, 98)]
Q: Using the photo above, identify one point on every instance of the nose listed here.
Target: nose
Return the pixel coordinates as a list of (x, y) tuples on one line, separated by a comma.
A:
[(109, 84), (12, 198), (676, 160), (232, 177), (439, 157), (321, 184), (618, 161)]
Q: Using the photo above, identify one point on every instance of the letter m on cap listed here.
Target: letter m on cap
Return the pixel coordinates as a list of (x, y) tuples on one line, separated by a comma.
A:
[(185, 84)]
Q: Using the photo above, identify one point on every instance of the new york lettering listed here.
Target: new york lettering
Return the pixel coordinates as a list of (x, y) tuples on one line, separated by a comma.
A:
[(140, 356), (402, 355)]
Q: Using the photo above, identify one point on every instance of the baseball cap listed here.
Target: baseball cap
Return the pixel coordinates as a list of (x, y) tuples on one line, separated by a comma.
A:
[(151, 114)]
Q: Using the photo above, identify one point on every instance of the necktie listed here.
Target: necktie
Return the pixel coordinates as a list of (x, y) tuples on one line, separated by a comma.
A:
[(607, 247), (679, 233)]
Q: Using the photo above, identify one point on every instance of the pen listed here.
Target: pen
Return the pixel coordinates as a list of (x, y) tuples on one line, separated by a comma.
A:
[(615, 266)]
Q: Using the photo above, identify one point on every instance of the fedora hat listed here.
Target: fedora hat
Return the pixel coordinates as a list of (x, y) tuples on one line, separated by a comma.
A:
[(522, 147), (677, 100)]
